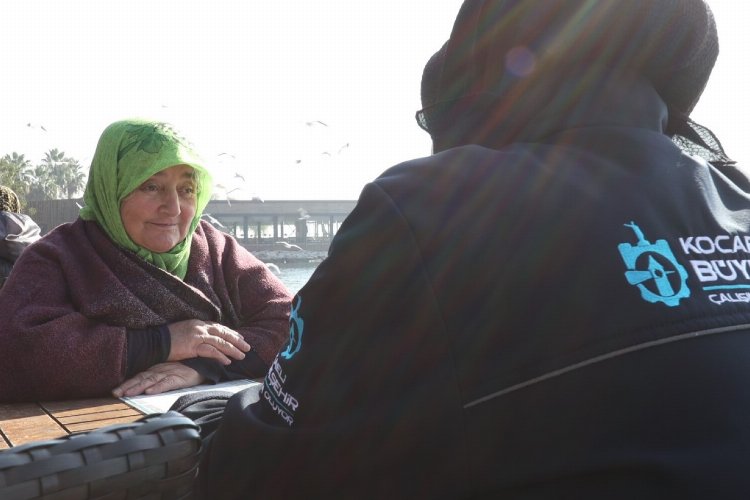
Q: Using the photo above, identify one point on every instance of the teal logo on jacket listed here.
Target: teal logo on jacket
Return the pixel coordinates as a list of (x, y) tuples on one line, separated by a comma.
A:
[(296, 328), (652, 268)]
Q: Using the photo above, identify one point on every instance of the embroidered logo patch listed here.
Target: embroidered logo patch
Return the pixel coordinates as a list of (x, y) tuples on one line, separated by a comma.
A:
[(653, 268)]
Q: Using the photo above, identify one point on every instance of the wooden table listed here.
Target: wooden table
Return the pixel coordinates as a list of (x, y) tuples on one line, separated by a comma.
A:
[(24, 422)]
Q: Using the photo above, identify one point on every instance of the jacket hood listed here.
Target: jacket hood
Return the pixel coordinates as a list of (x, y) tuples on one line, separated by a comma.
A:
[(519, 60)]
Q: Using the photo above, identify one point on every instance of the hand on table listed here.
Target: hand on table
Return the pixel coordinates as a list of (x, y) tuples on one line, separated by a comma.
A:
[(159, 378), (194, 338)]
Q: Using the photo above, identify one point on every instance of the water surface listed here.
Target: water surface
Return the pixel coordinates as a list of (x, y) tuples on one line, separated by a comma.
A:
[(295, 276)]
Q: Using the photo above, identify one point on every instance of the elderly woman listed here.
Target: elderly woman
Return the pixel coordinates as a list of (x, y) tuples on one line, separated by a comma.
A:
[(138, 295)]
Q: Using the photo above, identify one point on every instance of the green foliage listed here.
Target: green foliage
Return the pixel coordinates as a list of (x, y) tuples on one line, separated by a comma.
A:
[(56, 177), (15, 173)]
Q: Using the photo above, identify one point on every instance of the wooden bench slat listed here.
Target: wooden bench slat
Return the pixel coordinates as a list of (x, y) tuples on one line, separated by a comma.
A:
[(25, 422), (22, 423), (88, 426), (68, 420), (80, 404)]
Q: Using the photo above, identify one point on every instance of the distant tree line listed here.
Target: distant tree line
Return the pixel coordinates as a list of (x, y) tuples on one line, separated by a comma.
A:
[(56, 177)]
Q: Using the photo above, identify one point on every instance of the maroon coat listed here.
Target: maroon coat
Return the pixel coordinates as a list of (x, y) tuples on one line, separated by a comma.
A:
[(65, 309)]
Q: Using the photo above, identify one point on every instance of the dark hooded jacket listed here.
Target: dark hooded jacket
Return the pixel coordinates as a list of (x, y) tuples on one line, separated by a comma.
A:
[(559, 312)]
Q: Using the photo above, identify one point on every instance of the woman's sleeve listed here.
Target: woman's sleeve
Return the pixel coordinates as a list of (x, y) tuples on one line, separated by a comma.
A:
[(146, 347), (262, 304), (49, 349), (264, 313)]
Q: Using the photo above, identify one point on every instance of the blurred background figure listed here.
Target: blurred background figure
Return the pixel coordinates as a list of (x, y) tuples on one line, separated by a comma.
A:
[(17, 231)]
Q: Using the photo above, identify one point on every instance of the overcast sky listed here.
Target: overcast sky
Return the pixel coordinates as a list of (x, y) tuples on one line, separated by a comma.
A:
[(307, 99)]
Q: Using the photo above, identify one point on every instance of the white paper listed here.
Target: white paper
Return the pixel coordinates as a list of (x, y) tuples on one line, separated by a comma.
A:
[(160, 403)]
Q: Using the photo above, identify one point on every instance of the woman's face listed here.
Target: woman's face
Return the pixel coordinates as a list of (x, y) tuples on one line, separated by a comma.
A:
[(158, 213)]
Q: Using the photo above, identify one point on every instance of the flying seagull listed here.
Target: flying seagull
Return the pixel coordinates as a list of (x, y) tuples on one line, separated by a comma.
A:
[(289, 246), (213, 220)]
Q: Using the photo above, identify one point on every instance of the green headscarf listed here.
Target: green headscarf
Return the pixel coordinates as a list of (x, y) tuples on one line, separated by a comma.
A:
[(128, 153)]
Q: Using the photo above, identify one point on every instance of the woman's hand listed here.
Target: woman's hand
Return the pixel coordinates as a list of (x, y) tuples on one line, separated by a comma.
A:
[(193, 338), (159, 378)]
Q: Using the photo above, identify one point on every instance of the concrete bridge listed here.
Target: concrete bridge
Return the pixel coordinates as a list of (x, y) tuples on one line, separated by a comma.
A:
[(257, 224), (307, 223)]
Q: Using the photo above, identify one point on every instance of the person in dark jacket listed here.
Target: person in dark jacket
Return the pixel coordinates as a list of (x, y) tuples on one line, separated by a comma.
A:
[(17, 231), (552, 305)]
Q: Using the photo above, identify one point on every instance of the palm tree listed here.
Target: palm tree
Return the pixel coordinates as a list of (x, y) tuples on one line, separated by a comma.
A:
[(74, 178), (16, 173), (43, 187), (58, 176)]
